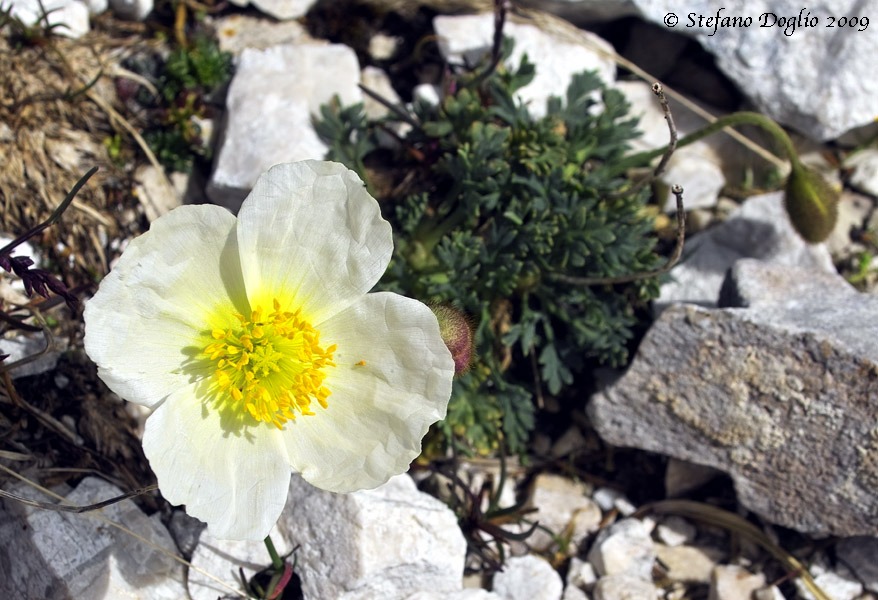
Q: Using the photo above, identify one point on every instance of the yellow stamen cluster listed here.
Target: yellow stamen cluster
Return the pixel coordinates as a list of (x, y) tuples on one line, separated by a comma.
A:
[(273, 366)]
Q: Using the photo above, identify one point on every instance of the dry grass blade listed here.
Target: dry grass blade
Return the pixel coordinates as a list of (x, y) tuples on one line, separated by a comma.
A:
[(707, 513), (124, 529)]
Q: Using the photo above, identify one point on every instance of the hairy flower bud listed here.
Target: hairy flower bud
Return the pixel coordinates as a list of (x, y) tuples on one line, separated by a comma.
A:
[(811, 203), (457, 333)]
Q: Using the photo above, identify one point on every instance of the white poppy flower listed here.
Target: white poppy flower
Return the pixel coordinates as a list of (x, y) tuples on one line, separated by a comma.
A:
[(254, 341)]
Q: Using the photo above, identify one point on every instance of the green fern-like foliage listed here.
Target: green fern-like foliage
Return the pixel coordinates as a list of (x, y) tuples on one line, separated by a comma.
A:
[(503, 204)]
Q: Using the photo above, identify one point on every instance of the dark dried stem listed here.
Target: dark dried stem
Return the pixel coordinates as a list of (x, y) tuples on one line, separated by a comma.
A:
[(397, 110), (55, 215), (497, 48), (78, 509)]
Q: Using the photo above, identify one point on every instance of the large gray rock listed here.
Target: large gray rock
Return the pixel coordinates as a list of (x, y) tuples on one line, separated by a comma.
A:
[(809, 78), (782, 396), (759, 228), (60, 555)]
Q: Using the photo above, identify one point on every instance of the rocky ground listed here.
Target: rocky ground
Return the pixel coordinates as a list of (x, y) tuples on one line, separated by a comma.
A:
[(737, 455)]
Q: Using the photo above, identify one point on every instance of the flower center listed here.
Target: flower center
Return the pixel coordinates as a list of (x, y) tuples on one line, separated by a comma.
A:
[(271, 366)]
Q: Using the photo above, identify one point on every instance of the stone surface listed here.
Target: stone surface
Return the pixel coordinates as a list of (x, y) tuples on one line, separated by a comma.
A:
[(859, 553), (731, 582), (155, 191), (838, 583), (282, 10), (688, 563), (388, 543), (624, 587), (563, 507), (133, 10), (559, 54), (271, 100), (59, 555), (528, 578), (237, 31), (585, 11), (824, 100), (465, 594), (865, 170), (675, 531), (28, 345), (609, 499), (759, 229), (224, 559), (781, 396), (623, 548), (70, 16)]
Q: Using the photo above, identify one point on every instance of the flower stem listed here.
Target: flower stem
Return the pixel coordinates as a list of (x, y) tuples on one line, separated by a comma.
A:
[(276, 561), (734, 119)]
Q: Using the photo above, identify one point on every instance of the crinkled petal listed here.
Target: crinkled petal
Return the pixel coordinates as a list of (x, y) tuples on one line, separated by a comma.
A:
[(143, 325), (311, 236), (231, 473), (378, 411)]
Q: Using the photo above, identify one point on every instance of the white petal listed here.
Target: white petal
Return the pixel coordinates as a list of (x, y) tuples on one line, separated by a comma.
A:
[(143, 325), (231, 473), (311, 236), (378, 412)]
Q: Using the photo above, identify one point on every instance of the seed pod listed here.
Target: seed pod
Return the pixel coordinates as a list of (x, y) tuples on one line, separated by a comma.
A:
[(457, 333), (811, 203)]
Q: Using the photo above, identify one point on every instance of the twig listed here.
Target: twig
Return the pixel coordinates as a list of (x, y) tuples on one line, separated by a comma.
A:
[(78, 509), (672, 260), (496, 50), (669, 149), (397, 110)]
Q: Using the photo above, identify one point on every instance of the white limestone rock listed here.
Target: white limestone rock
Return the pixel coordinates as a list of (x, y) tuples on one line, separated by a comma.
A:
[(563, 506), (609, 499), (865, 170), (70, 16), (235, 32), (59, 555), (761, 229), (688, 564), (464, 594), (224, 559), (27, 345), (388, 543), (810, 78), (624, 548), (282, 10), (557, 56), (528, 578), (133, 10), (838, 582), (731, 582), (624, 587), (676, 531), (271, 100)]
